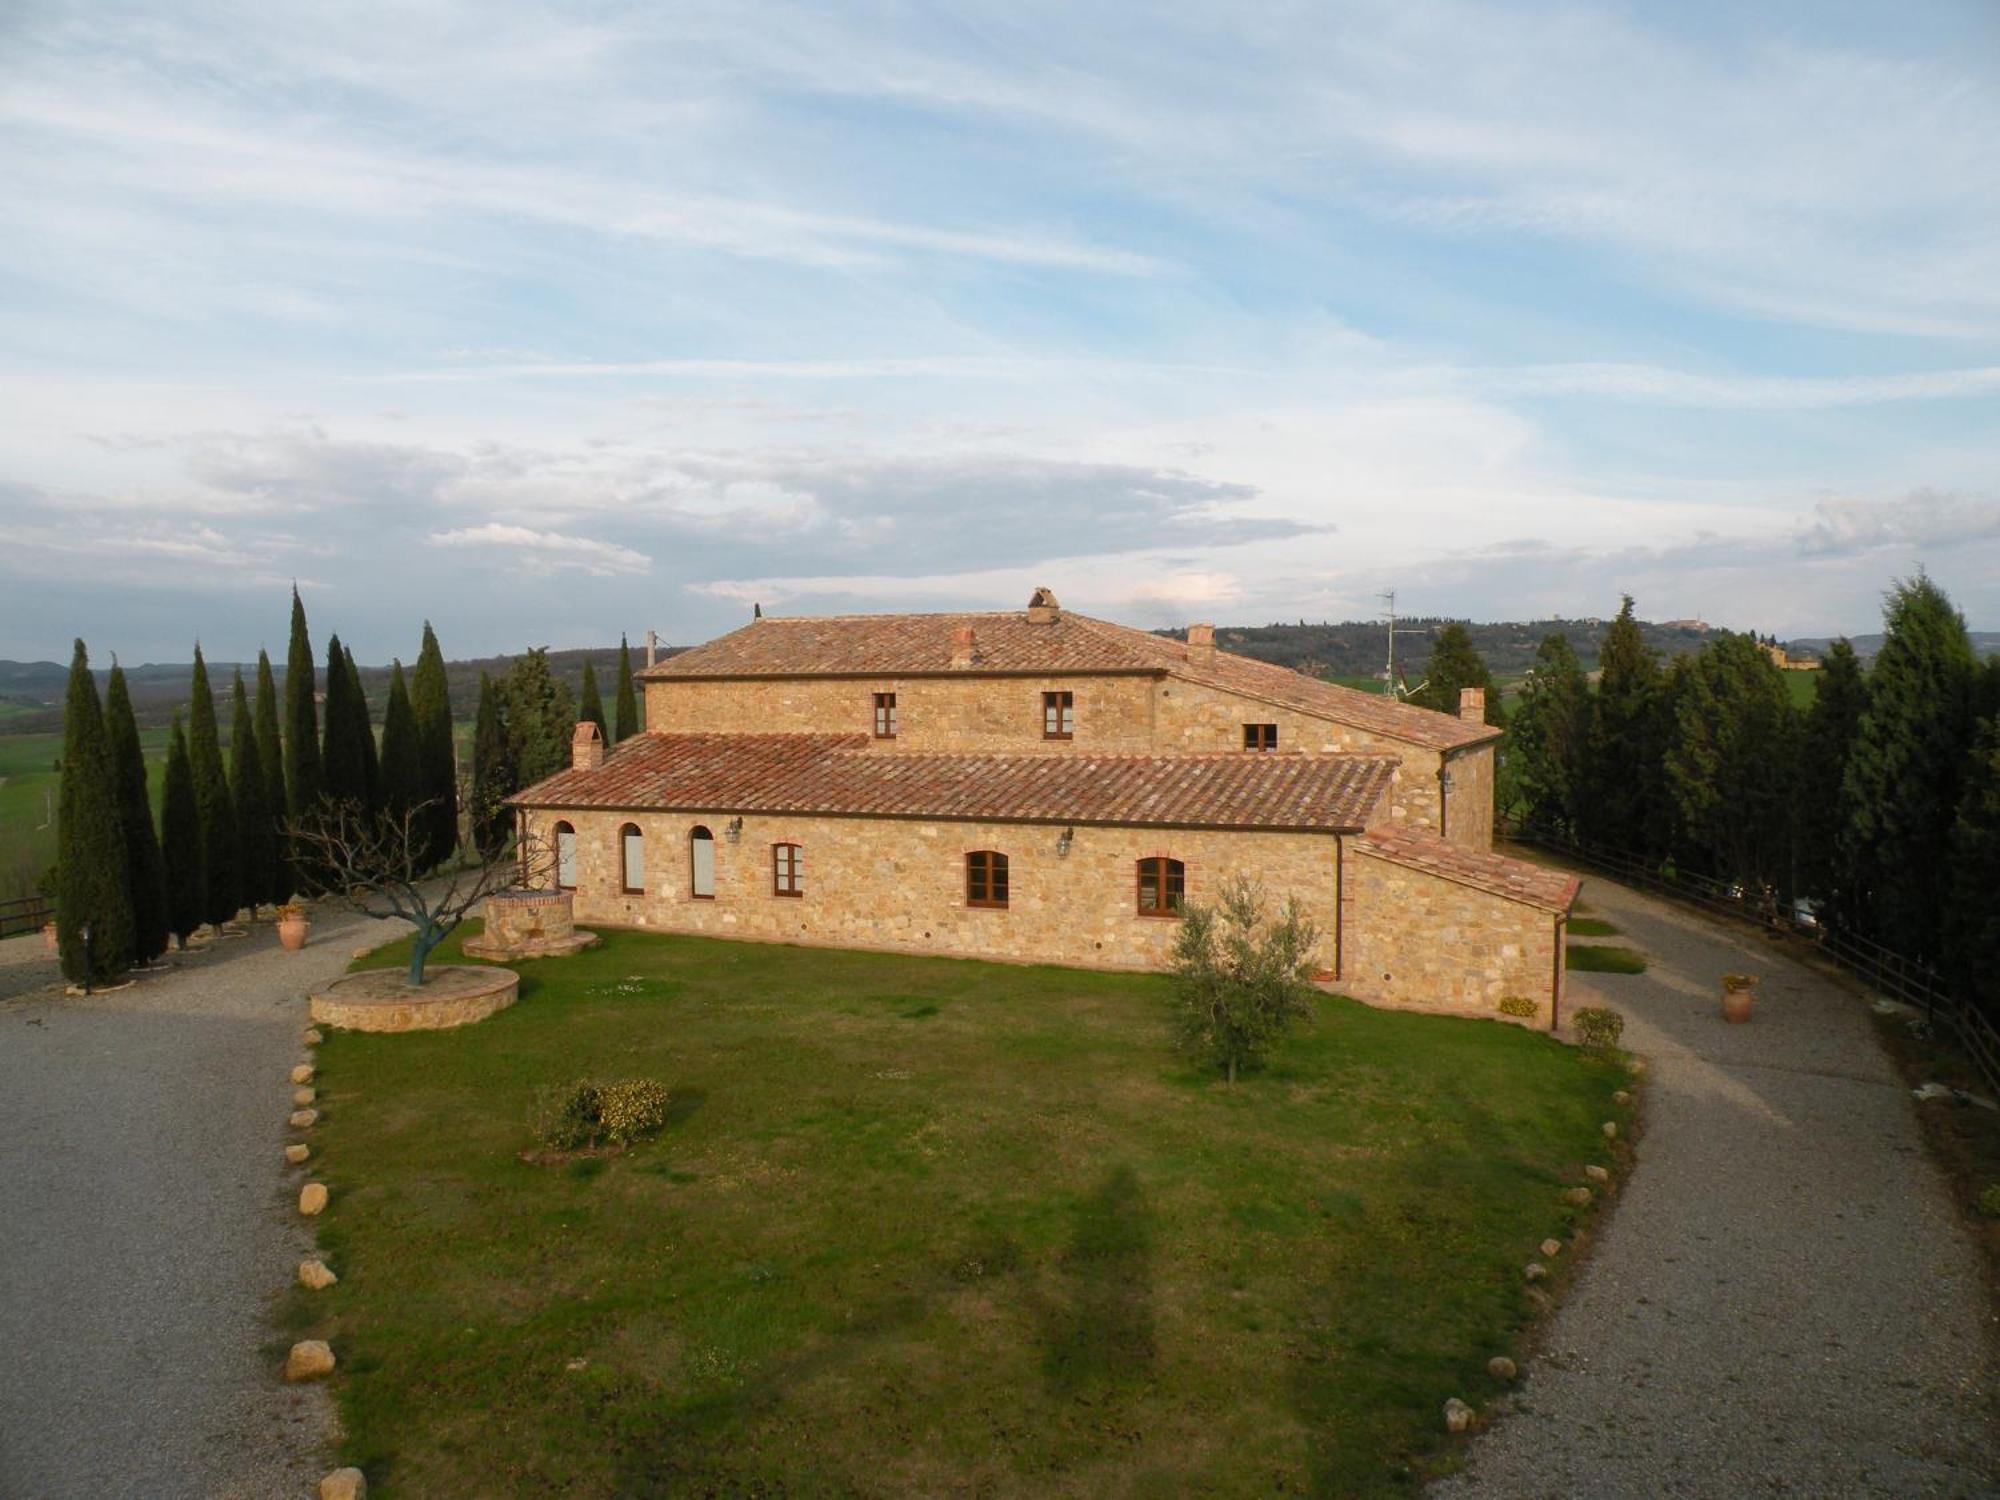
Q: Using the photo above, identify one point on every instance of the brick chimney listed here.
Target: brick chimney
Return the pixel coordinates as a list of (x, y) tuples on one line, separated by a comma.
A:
[(1201, 644), (1472, 705), (1042, 607), (964, 646), (586, 748)]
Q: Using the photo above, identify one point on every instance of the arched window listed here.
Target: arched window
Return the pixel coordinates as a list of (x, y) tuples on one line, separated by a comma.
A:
[(565, 857), (1162, 887), (701, 863), (787, 870), (632, 860), (985, 878)]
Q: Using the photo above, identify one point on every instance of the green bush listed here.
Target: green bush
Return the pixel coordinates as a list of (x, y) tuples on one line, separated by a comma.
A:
[(584, 1114), (1989, 1200), (1516, 1005), (1598, 1026)]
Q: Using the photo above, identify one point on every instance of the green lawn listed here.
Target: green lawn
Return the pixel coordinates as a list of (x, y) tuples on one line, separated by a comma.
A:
[(920, 1225), (1605, 958), (1591, 927), (29, 785)]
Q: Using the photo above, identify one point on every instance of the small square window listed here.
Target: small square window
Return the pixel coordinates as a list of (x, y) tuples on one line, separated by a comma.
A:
[(1058, 716), (885, 716), (1260, 736)]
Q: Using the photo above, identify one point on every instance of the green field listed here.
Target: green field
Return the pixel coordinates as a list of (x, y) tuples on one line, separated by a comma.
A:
[(29, 785), (921, 1226)]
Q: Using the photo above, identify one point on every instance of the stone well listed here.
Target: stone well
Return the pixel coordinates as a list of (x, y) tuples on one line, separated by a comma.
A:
[(380, 1000), (529, 924)]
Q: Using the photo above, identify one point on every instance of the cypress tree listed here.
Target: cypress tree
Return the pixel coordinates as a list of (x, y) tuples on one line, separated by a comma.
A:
[(135, 814), (222, 885), (92, 883), (591, 706), (342, 760), (256, 834), (305, 779), (1547, 744), (371, 758), (1621, 803), (1826, 744), (1456, 663), (493, 775), (1972, 919), (627, 718), (430, 704), (1902, 782), (1729, 763), (540, 717), (180, 840), (402, 763), (271, 763)]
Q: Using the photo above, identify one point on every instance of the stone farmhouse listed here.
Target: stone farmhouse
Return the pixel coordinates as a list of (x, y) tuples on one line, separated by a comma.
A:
[(1039, 786)]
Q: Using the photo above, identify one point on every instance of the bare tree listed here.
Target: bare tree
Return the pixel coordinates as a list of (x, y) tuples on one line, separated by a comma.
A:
[(375, 862)]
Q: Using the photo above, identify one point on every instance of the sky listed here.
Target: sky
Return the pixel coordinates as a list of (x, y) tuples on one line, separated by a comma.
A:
[(551, 323)]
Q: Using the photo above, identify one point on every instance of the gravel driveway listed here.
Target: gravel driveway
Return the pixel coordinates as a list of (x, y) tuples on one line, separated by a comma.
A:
[(146, 1222), (1784, 1300)]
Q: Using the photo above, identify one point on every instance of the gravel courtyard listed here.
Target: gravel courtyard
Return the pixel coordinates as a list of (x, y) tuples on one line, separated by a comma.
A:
[(146, 1220), (1784, 1301)]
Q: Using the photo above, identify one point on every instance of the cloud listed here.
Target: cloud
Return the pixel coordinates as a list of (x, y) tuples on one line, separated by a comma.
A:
[(550, 549), (1652, 384), (1922, 519)]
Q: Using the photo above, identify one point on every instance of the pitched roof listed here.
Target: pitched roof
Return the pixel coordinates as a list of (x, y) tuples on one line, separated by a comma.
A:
[(842, 774), (1515, 879), (1009, 642)]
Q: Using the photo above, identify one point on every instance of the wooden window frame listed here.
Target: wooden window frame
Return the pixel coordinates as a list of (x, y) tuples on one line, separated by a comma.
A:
[(1260, 736), (1058, 714), (792, 869), (563, 825), (708, 837), (885, 714), (986, 879), (625, 886), (1156, 872)]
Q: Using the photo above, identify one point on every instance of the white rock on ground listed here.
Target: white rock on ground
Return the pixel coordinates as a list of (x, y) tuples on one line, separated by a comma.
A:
[(303, 1098), (311, 1036), (310, 1359), (312, 1198), (344, 1484), (315, 1275), (297, 1152), (1500, 1367), (1552, 1247), (303, 1073), (1457, 1415), (1596, 1173)]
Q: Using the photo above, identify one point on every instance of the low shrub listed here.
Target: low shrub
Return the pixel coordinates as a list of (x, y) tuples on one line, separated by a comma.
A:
[(581, 1115), (1989, 1200), (1598, 1026), (1516, 1005)]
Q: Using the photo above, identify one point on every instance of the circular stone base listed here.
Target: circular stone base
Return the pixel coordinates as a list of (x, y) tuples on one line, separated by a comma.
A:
[(574, 942), (379, 1000)]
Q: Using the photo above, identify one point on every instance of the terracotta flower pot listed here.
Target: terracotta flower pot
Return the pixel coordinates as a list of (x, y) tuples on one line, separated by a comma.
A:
[(1737, 1000), (292, 931), (49, 936)]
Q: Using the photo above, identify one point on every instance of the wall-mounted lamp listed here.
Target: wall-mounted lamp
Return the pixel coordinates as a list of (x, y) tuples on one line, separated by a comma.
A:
[(734, 831), (1063, 841)]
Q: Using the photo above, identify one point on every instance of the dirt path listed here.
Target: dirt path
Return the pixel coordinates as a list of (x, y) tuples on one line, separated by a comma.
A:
[(146, 1221), (1784, 1300)]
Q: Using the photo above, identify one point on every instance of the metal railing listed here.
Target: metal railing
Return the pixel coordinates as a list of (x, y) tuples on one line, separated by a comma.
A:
[(25, 914), (1881, 968)]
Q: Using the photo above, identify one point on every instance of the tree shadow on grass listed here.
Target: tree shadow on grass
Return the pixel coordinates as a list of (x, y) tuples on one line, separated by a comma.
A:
[(1098, 1331)]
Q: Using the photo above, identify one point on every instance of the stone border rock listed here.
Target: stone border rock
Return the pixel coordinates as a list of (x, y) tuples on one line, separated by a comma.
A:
[(452, 995)]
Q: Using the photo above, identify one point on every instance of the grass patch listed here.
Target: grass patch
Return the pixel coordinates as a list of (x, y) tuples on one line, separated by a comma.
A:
[(1591, 927), (923, 1225), (1605, 958)]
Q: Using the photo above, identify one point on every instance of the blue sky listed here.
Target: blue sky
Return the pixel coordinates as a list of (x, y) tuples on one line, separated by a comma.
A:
[(555, 322)]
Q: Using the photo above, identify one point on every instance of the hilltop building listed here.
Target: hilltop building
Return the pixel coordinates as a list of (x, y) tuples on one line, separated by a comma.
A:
[(1040, 786)]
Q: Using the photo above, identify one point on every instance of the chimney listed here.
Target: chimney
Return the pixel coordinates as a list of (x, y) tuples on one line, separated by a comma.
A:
[(964, 646), (586, 748), (1201, 644), (1472, 705), (1043, 608), (652, 647)]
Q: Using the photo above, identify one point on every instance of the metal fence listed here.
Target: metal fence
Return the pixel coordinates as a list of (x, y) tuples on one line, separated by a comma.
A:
[(24, 914), (1882, 969)]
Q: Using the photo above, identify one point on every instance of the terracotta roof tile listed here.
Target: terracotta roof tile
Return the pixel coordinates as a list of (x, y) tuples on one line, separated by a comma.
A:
[(912, 645), (842, 774), (1516, 879)]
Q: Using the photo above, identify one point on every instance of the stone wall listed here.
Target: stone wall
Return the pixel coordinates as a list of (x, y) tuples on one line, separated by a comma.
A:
[(900, 885), (1418, 941), (1468, 802)]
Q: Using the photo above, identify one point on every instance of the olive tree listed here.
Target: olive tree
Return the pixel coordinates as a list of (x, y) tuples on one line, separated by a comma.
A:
[(1240, 981)]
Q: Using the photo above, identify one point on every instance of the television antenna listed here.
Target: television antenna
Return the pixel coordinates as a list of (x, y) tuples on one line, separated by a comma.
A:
[(1388, 598)]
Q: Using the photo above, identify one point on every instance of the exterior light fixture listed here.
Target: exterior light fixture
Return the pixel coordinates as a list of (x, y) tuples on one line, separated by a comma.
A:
[(1063, 841), (734, 831)]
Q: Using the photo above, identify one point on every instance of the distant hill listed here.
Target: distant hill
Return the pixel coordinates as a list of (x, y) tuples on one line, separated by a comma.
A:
[(31, 693), (1984, 642)]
